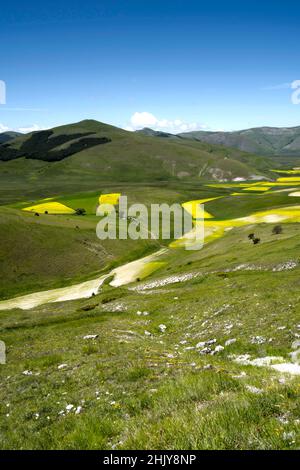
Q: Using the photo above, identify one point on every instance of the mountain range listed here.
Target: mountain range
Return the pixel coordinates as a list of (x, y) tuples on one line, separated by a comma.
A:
[(261, 140)]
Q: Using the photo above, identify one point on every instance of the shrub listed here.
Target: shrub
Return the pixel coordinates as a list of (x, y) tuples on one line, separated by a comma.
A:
[(80, 211), (277, 230)]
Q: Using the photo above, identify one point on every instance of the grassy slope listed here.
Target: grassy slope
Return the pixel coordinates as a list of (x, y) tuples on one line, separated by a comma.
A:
[(41, 253), (147, 392), (130, 157), (138, 391)]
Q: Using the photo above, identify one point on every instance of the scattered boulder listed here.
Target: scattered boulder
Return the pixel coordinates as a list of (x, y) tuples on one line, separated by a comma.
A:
[(206, 351), (258, 340)]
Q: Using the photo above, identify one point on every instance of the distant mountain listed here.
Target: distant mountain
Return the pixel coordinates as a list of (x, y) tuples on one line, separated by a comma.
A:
[(150, 132), (7, 136), (88, 154), (260, 140)]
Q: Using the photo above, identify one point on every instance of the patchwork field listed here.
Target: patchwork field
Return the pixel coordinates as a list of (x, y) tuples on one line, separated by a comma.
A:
[(175, 349)]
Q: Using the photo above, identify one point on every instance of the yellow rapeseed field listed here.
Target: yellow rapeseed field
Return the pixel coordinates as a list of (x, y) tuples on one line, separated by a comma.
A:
[(112, 198), (51, 208)]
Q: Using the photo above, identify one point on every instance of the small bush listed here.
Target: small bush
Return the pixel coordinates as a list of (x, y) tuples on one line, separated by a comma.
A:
[(277, 230), (80, 211)]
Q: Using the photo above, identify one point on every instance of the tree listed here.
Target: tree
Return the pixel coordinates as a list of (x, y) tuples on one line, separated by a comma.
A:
[(80, 211), (277, 230), (256, 241)]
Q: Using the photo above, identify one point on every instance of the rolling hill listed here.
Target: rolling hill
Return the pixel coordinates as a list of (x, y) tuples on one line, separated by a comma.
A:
[(8, 136), (87, 154)]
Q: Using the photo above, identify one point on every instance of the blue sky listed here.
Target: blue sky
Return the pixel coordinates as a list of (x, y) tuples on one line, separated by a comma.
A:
[(173, 65)]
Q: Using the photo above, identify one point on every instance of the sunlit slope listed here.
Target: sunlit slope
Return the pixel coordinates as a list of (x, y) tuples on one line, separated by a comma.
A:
[(80, 164)]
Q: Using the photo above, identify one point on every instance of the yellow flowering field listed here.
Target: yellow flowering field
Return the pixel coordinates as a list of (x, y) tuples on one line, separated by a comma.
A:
[(112, 198), (51, 208)]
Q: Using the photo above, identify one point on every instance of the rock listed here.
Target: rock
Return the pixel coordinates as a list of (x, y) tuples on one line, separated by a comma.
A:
[(205, 351), (296, 344), (201, 344), (219, 348), (211, 341), (207, 367), (162, 328), (258, 340), (27, 372), (69, 407), (147, 333), (78, 410), (62, 366), (230, 341), (90, 336)]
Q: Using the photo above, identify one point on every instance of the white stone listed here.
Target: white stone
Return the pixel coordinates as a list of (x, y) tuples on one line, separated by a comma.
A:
[(162, 328), (230, 341)]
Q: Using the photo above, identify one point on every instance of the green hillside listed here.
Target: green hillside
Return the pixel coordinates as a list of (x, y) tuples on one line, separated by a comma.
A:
[(137, 385), (70, 158)]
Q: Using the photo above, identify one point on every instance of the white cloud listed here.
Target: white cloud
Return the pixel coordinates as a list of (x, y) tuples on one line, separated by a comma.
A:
[(26, 130), (145, 119), (23, 130), (3, 128)]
